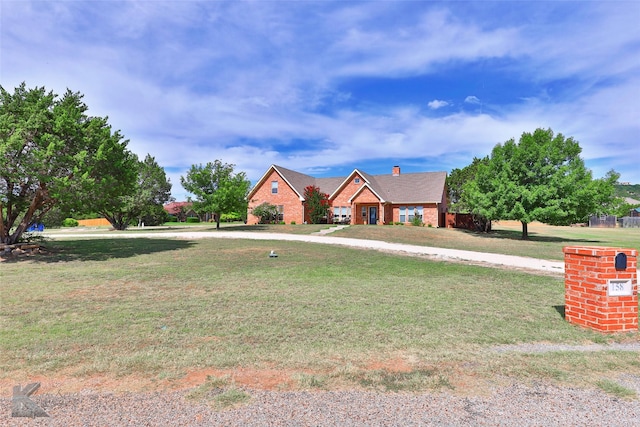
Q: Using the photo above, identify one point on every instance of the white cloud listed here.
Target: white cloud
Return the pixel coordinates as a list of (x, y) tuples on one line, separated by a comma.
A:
[(435, 39), (191, 82), (437, 103)]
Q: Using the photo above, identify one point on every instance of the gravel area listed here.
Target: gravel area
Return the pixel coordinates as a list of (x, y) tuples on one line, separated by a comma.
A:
[(547, 348), (517, 405)]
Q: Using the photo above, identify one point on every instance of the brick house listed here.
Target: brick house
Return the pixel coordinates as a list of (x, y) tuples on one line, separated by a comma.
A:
[(181, 210), (359, 198)]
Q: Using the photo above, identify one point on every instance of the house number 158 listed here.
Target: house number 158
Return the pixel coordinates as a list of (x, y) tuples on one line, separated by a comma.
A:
[(619, 287)]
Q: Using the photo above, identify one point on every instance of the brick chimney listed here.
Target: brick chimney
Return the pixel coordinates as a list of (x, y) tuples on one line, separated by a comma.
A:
[(396, 171)]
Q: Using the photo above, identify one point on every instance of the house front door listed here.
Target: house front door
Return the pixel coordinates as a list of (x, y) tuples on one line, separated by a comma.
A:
[(373, 215)]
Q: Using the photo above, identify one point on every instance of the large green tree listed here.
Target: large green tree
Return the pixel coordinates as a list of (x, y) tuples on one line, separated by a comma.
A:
[(152, 189), (458, 202), (540, 178), (53, 153), (217, 188), (456, 181)]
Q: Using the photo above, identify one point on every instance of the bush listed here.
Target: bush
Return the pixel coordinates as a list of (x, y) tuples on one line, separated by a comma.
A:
[(417, 221), (293, 223), (231, 217), (266, 212), (193, 219), (155, 215), (70, 222)]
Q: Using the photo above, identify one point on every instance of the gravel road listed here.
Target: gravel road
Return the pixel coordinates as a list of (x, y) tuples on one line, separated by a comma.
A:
[(516, 405)]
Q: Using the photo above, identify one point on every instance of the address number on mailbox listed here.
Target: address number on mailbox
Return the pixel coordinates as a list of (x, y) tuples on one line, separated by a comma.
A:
[(619, 288)]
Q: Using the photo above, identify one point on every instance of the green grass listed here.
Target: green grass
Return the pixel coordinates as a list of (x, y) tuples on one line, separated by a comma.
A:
[(415, 380), (159, 308), (231, 398), (616, 389), (220, 393), (545, 242)]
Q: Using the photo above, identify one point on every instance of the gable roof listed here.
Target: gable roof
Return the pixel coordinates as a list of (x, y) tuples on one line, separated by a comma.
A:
[(362, 188), (296, 180), (424, 187)]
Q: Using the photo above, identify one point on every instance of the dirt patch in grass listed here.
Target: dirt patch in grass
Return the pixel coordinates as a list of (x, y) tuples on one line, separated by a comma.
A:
[(391, 365), (275, 379), (262, 379), (253, 378)]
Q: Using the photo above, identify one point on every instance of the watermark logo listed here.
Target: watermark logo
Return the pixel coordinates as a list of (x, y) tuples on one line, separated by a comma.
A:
[(22, 406)]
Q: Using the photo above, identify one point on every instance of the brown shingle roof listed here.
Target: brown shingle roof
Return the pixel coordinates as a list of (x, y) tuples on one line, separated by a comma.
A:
[(426, 187), (297, 180), (412, 187), (174, 207), (329, 185)]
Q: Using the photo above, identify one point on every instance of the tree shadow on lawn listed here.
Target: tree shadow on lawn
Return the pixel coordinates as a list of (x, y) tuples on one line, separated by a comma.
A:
[(533, 236), (225, 227), (100, 249)]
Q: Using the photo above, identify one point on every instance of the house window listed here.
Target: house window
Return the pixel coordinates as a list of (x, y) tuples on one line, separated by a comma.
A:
[(274, 187), (341, 213), (408, 213), (357, 180), (364, 212), (280, 213), (346, 212)]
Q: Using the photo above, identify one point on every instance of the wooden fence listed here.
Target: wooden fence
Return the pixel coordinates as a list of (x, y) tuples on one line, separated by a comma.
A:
[(460, 220), (630, 222), (603, 221), (96, 222)]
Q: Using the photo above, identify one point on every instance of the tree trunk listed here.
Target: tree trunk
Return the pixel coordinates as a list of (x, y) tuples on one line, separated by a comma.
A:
[(217, 215), (525, 230), (2, 228), (11, 238), (117, 221)]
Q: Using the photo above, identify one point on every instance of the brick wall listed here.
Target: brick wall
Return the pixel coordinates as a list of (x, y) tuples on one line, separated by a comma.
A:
[(342, 198), (293, 209), (430, 214), (588, 270)]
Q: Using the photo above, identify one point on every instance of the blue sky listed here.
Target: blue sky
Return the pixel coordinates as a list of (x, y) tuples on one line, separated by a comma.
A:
[(326, 87)]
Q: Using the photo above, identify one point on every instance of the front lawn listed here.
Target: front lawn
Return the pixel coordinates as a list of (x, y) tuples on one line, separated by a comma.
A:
[(157, 309)]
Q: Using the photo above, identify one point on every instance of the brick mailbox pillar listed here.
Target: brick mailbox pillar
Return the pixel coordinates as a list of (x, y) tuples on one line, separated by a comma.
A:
[(601, 288)]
